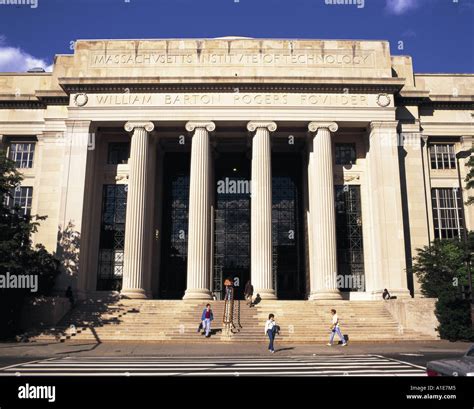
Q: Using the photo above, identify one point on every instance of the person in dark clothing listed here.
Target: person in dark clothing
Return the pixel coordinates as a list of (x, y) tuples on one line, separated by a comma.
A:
[(248, 292), (386, 295)]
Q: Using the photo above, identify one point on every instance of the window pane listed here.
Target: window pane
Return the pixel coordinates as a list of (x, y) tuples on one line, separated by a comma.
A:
[(345, 153), (442, 156), (118, 153), (22, 154), (21, 199), (447, 213)]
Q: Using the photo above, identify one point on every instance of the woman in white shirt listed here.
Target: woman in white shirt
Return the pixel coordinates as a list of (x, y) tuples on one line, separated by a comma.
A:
[(336, 330), (270, 330)]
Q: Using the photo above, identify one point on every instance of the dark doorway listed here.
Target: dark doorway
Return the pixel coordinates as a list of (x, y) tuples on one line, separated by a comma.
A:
[(232, 222), (287, 226), (175, 226), (350, 249)]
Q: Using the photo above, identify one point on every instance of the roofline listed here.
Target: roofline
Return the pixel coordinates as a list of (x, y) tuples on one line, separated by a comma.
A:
[(31, 74), (243, 38)]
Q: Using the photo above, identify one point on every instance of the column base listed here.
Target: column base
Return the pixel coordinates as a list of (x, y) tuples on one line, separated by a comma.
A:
[(266, 294), (197, 294), (134, 293), (325, 295)]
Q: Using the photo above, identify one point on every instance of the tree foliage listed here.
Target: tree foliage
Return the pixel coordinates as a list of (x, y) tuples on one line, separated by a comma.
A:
[(18, 256), (470, 177), (442, 270)]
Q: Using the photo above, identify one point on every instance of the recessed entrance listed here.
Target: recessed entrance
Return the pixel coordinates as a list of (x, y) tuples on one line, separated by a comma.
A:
[(231, 222), (175, 226)]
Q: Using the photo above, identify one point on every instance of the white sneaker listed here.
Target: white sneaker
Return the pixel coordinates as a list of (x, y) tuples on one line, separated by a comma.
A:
[(329, 344), (272, 352), (345, 344)]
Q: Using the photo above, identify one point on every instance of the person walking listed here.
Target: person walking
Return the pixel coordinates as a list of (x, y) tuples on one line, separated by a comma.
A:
[(248, 292), (206, 318), (228, 284), (335, 329), (271, 330)]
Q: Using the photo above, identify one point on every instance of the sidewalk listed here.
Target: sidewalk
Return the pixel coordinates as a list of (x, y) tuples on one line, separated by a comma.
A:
[(47, 350)]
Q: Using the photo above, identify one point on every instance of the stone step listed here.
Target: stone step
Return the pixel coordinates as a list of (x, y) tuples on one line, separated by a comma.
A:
[(300, 321)]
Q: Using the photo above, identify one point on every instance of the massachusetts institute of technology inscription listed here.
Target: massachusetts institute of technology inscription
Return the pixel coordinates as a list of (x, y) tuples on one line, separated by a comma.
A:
[(143, 58)]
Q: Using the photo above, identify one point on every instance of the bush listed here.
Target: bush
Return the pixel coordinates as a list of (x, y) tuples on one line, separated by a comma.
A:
[(454, 316), (442, 270)]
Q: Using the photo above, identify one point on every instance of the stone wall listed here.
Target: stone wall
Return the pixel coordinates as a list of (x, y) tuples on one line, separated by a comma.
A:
[(415, 314)]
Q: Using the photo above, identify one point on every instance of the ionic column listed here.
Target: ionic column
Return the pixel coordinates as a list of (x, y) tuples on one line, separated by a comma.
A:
[(261, 209), (322, 214), (138, 213), (199, 230)]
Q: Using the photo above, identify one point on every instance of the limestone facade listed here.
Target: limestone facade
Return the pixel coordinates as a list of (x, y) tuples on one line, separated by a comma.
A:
[(411, 135)]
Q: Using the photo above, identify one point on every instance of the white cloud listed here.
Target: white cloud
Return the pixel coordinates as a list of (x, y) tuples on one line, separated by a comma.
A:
[(16, 60), (400, 7)]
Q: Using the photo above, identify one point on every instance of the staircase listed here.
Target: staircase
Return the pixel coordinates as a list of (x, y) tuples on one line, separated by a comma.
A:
[(177, 321)]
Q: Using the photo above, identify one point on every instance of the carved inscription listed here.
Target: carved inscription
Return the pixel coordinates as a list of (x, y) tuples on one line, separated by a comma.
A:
[(144, 58), (233, 99)]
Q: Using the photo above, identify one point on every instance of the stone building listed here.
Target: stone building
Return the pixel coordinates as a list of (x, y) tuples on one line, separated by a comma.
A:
[(313, 168)]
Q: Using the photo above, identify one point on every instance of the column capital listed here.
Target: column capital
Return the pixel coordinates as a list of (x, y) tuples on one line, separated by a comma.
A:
[(208, 125), (147, 125), (314, 126), (384, 125), (252, 126)]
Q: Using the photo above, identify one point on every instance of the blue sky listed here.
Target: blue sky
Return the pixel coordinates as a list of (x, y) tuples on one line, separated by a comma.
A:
[(438, 34)]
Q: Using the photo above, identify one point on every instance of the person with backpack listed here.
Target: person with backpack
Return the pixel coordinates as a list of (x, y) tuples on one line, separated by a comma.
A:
[(206, 318), (335, 329), (271, 329)]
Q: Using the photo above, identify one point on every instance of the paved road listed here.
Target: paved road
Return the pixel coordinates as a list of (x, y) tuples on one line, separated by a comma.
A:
[(340, 365)]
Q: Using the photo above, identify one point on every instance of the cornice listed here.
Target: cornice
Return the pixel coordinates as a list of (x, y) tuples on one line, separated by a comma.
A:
[(229, 84)]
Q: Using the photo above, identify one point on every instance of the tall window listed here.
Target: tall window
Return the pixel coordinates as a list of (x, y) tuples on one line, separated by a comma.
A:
[(350, 248), (174, 250), (447, 213), (118, 153), (442, 156), (21, 197), (345, 153), (112, 237), (22, 154)]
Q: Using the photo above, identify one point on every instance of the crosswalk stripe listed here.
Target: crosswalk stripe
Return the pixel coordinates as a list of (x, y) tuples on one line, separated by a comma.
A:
[(368, 365)]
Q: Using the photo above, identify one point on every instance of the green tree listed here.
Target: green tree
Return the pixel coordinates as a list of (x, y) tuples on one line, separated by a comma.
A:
[(470, 177), (442, 271), (17, 254)]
